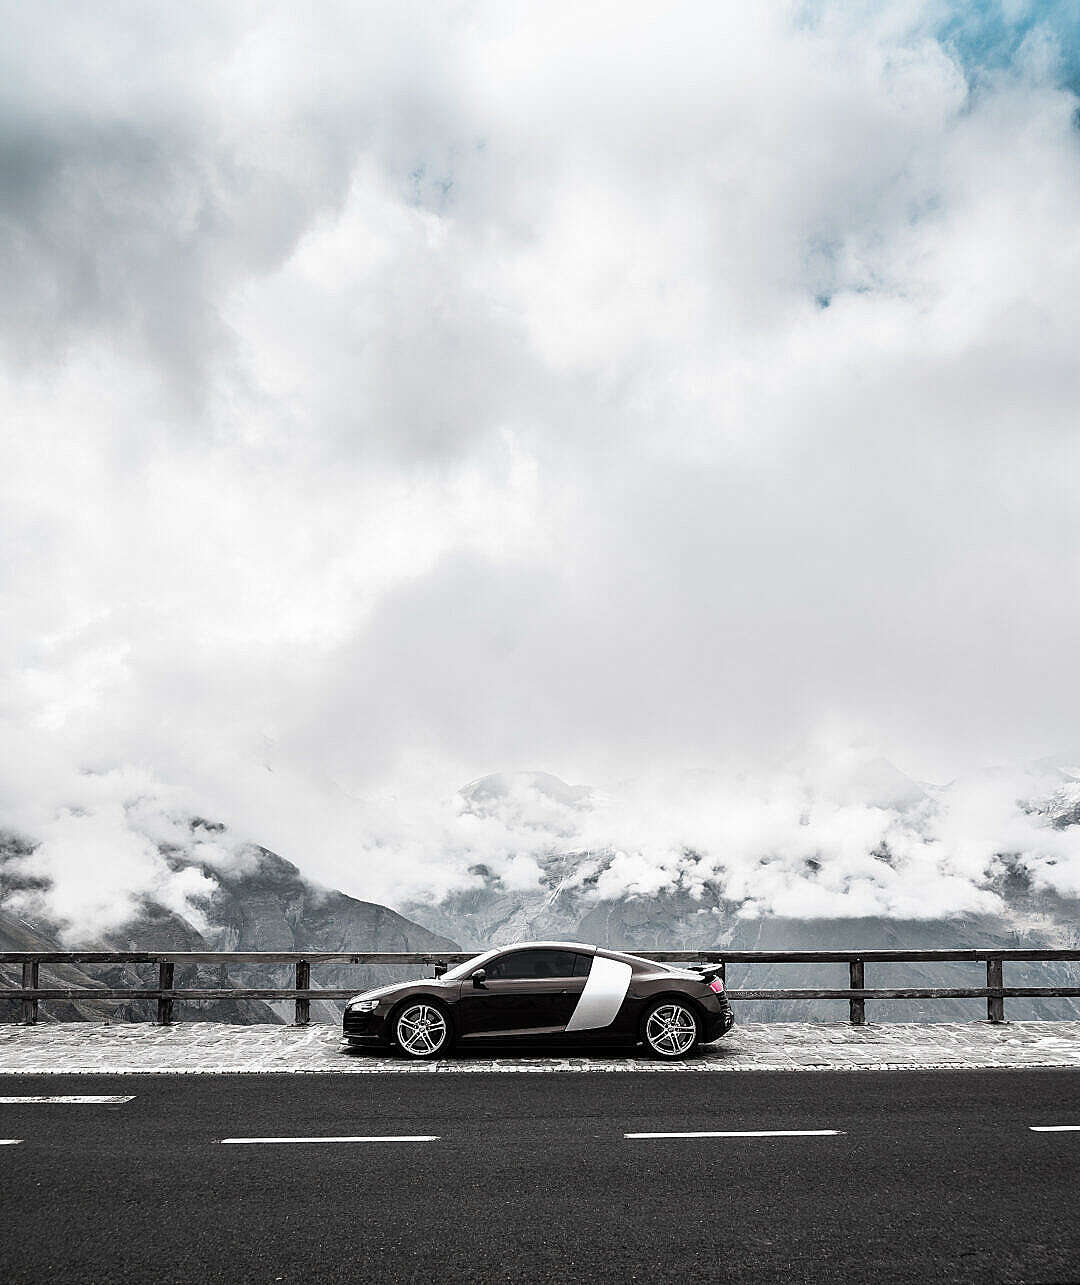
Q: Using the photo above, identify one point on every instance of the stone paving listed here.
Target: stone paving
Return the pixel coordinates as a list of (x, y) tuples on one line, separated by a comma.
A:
[(210, 1048)]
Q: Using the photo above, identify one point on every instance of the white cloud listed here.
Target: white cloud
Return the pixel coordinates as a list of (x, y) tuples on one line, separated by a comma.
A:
[(840, 838), (424, 393)]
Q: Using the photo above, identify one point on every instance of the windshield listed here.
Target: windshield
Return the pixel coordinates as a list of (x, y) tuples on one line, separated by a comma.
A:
[(463, 970)]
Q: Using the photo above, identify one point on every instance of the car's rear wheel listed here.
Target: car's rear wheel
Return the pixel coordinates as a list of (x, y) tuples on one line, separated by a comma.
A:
[(671, 1029), (422, 1029)]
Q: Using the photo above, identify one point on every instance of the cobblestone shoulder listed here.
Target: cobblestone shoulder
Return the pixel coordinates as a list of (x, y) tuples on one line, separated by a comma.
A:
[(208, 1048)]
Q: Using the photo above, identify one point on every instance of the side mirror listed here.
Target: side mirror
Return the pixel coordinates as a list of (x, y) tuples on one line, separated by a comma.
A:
[(478, 977)]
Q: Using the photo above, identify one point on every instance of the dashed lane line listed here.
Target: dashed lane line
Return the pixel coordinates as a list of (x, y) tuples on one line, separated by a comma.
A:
[(743, 1133), (1054, 1128), (88, 1100), (10, 1142), (409, 1137)]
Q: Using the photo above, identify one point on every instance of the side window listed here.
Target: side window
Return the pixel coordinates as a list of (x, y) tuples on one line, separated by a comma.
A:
[(582, 964), (524, 964)]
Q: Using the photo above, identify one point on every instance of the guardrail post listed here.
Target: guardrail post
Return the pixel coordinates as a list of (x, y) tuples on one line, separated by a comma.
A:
[(302, 1016), (856, 1007), (995, 978), (30, 982), (165, 983)]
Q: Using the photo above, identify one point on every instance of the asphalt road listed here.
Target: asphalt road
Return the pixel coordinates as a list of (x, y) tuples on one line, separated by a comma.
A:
[(933, 1177)]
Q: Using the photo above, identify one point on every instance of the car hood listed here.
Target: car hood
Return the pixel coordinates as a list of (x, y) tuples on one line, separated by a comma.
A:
[(395, 988)]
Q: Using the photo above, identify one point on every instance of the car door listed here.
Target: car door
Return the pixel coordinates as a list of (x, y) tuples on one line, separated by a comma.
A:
[(525, 992)]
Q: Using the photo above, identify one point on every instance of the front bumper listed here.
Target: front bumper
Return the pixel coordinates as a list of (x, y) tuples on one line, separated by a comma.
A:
[(365, 1029)]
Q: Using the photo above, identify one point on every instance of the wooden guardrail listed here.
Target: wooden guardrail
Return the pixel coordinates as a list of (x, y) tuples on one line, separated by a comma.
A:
[(31, 993)]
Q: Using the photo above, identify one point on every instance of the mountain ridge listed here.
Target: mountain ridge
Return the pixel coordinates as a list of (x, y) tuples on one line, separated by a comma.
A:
[(533, 879), (267, 905)]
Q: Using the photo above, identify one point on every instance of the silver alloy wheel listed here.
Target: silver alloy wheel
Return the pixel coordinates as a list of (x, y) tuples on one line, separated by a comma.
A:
[(671, 1030), (421, 1030)]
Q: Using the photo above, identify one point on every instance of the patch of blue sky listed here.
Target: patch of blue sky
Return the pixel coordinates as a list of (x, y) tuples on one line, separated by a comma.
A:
[(989, 36)]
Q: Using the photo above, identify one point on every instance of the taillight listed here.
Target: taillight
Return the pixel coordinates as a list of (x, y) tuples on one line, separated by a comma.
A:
[(717, 985)]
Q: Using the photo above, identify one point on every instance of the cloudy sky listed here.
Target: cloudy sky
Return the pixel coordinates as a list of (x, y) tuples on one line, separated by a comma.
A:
[(398, 393)]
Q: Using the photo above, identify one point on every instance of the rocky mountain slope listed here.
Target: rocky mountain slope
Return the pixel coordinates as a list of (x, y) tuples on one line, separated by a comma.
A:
[(546, 860), (571, 901), (265, 905)]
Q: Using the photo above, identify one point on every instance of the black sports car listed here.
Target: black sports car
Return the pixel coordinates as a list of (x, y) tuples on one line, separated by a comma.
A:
[(550, 992)]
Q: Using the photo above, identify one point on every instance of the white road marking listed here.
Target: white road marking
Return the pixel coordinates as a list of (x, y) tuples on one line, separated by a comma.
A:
[(128, 1097), (408, 1137), (10, 1142), (1054, 1128), (745, 1133)]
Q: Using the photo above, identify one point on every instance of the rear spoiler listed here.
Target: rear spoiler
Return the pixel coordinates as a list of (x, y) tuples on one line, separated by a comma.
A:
[(707, 971)]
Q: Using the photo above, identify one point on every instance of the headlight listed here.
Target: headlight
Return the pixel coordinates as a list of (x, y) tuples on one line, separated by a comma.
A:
[(364, 1005)]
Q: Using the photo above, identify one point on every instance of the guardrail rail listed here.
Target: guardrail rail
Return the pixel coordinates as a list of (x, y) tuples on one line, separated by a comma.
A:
[(32, 993)]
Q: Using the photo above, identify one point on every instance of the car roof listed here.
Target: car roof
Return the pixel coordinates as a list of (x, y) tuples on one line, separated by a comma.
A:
[(579, 946), (638, 962)]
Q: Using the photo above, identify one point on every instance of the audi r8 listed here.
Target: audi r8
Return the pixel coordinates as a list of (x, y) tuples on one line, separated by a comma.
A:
[(545, 992)]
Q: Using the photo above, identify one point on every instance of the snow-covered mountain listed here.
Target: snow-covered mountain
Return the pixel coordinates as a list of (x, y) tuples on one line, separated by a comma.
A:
[(602, 893), (850, 855)]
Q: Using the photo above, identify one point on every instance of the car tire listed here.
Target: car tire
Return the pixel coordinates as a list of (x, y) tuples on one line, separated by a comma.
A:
[(422, 1029), (671, 1029)]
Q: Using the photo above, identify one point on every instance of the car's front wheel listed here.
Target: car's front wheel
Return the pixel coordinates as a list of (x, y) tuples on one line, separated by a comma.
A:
[(422, 1029), (671, 1029)]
